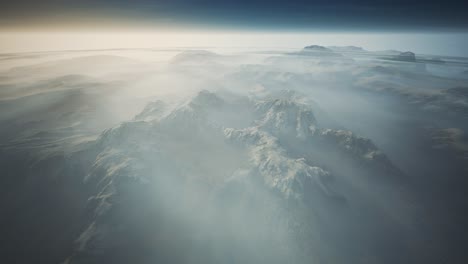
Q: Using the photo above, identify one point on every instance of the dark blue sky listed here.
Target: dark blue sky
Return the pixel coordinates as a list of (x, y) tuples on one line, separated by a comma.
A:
[(312, 15)]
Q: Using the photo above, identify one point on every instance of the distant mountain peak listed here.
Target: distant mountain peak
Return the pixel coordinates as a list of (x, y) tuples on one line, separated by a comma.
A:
[(317, 48), (347, 48), (407, 56)]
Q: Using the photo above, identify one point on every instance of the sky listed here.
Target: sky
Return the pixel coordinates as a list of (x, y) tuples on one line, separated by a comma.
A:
[(240, 14), (442, 22)]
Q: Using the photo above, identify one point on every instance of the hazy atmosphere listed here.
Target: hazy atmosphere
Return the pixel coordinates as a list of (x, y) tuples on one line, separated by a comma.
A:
[(327, 132)]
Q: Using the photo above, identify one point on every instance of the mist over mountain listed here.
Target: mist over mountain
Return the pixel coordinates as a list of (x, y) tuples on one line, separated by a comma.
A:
[(331, 154)]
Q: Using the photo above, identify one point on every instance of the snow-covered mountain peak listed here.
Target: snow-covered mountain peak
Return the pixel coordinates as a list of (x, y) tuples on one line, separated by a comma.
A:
[(286, 117)]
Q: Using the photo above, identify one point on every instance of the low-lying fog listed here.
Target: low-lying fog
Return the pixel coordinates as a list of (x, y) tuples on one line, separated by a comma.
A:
[(316, 155)]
